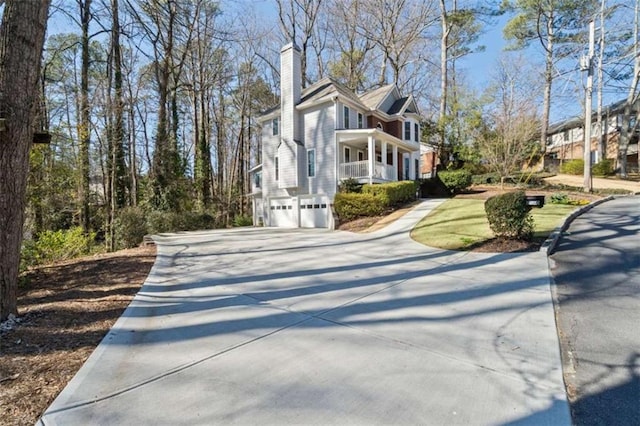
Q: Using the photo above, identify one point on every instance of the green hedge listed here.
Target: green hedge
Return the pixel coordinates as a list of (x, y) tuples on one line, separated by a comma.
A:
[(603, 168), (509, 215), (456, 180), (129, 226), (392, 193), (572, 167), (351, 206), (53, 246)]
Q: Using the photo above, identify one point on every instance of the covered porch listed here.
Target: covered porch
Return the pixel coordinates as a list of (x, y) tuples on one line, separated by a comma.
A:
[(373, 156)]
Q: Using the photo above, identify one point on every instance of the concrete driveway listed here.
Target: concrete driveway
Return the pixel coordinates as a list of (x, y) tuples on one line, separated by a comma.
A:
[(272, 326)]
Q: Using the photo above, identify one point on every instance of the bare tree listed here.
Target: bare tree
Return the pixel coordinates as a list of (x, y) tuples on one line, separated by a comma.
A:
[(352, 49), (297, 22), (22, 33), (511, 120), (397, 27)]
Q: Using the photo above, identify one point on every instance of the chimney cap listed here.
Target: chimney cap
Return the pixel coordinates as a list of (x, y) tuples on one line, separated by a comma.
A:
[(288, 46)]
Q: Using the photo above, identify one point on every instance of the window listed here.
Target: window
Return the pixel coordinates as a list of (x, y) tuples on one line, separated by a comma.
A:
[(275, 126), (311, 162), (257, 179), (417, 166), (360, 155), (566, 135), (345, 113), (406, 168), (407, 131), (347, 154), (379, 126), (360, 121), (416, 132), (277, 168)]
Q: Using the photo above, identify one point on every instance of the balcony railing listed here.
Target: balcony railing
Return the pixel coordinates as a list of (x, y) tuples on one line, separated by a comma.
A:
[(360, 169)]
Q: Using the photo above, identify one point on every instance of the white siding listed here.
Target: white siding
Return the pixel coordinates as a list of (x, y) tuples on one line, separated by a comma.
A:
[(319, 125)]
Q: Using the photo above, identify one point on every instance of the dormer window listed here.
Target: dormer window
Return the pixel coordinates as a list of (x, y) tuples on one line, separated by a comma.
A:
[(345, 112), (275, 126)]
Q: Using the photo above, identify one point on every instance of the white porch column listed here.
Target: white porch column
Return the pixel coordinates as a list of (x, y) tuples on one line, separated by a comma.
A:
[(394, 156), (372, 157), (384, 153)]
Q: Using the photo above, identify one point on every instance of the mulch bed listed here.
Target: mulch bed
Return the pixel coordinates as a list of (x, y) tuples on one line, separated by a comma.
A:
[(65, 311)]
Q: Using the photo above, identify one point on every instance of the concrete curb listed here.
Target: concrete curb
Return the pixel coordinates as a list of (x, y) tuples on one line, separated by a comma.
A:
[(549, 246)]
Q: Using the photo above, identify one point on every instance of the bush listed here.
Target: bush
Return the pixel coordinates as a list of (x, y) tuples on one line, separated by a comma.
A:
[(509, 216), (350, 185), (572, 167), (433, 187), (351, 206), (242, 220), (456, 180), (485, 179), (603, 168), (393, 193), (559, 198), (129, 227), (53, 246), (166, 221)]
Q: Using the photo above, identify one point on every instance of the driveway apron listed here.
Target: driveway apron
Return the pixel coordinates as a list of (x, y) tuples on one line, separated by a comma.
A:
[(277, 326)]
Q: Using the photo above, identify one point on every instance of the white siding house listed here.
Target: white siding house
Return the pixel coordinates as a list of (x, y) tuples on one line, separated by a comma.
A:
[(323, 134)]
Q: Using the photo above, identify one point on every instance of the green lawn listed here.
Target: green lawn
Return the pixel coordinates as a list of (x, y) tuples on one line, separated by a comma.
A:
[(459, 223)]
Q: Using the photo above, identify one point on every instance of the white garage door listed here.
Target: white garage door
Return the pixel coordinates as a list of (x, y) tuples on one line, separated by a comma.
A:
[(281, 213), (314, 212)]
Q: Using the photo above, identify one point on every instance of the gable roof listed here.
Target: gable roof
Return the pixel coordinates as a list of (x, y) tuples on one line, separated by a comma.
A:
[(398, 106), (374, 98), (326, 89)]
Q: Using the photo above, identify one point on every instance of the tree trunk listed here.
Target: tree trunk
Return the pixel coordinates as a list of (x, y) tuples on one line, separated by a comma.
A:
[(84, 125), (21, 41), (546, 101), (444, 50)]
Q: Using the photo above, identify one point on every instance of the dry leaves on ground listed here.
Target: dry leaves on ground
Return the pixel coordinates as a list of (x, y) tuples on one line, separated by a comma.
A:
[(65, 311)]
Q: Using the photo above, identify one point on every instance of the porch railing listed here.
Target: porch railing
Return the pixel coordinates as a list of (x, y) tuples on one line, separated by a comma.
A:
[(356, 169), (360, 169)]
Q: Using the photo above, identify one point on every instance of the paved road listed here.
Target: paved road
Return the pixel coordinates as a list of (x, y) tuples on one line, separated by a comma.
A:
[(273, 326), (597, 272)]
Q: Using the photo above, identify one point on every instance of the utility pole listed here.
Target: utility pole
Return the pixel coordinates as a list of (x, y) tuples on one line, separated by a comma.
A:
[(587, 65)]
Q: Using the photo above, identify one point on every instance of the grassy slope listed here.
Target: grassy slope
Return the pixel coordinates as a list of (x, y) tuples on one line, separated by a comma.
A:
[(459, 223)]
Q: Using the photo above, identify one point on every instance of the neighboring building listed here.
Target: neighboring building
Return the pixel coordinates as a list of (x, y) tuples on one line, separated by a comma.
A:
[(428, 161), (565, 140), (323, 134)]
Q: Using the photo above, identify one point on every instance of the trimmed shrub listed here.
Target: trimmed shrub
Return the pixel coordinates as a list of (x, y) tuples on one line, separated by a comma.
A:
[(351, 206), (572, 167), (603, 168), (129, 226), (53, 246), (456, 180), (433, 187), (242, 220), (350, 185), (392, 193), (509, 216)]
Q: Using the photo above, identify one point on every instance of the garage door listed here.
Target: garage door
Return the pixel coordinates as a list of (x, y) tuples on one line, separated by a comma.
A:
[(314, 212), (281, 213)]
